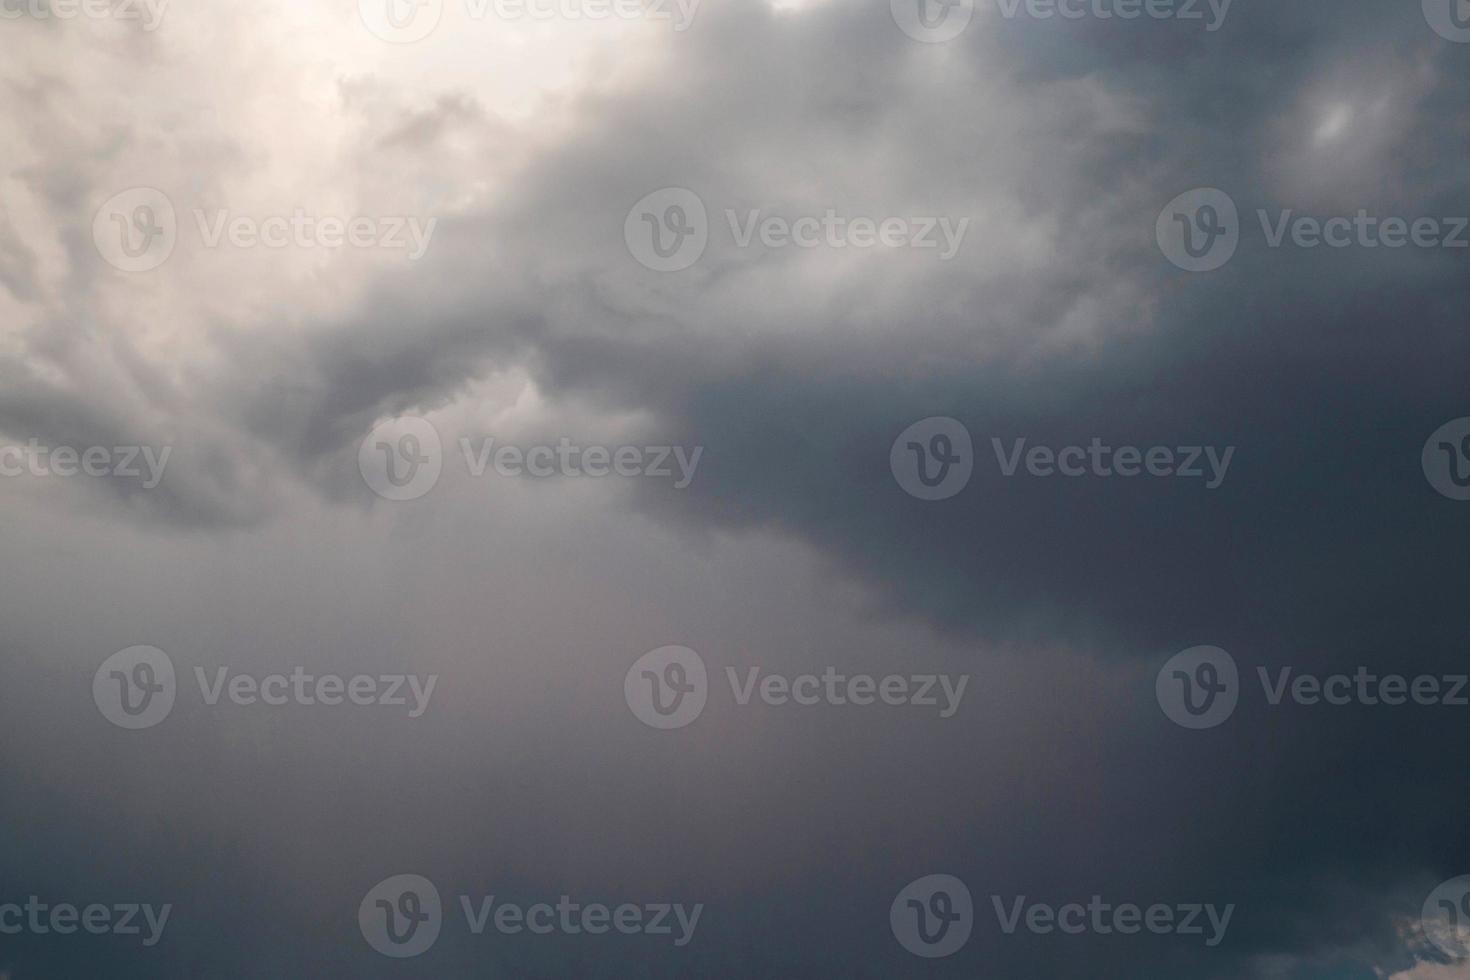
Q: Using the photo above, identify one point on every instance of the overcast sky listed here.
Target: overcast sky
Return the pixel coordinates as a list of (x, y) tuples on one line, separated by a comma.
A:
[(300, 270)]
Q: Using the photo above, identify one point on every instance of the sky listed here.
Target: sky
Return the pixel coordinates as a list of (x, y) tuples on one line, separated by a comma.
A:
[(855, 489)]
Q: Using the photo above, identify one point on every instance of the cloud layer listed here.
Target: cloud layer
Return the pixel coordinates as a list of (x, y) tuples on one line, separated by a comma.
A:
[(1057, 321)]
